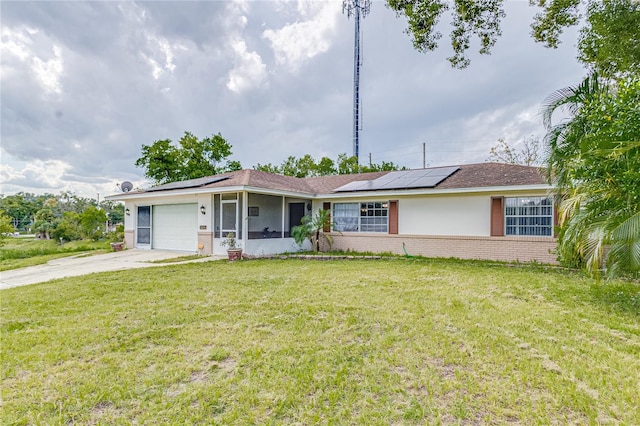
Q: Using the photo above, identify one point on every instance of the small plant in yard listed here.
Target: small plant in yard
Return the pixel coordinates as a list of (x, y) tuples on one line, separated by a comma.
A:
[(117, 235), (234, 251), (230, 242), (311, 228)]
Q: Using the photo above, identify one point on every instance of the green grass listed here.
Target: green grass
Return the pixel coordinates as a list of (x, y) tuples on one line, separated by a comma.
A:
[(336, 342), (179, 259), (23, 252)]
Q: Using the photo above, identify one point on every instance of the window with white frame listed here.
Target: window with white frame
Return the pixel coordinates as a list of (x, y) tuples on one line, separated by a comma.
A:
[(361, 217), (529, 216)]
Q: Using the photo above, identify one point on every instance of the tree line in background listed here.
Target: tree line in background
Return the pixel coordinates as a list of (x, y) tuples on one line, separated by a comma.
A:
[(64, 216), (306, 166), (192, 158)]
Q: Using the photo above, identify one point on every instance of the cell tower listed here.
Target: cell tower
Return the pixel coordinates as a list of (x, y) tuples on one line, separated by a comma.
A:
[(357, 9)]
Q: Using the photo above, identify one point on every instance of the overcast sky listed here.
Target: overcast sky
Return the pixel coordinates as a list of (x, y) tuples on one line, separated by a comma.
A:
[(85, 84)]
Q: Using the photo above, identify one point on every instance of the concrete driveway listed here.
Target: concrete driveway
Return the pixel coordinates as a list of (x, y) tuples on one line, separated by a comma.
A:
[(82, 264)]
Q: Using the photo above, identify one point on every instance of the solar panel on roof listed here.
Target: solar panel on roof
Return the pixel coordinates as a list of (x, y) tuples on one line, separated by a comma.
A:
[(191, 183), (358, 185), (402, 179)]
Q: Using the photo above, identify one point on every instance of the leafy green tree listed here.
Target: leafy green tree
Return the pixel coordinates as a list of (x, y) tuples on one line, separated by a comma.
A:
[(306, 166), (68, 228), (289, 167), (470, 18), (611, 30), (22, 207), (595, 166), (201, 156), (114, 210), (6, 227), (193, 158), (70, 202), (311, 229), (382, 167), (161, 162), (232, 166), (348, 164), (93, 223), (269, 168), (611, 39), (44, 223), (326, 167)]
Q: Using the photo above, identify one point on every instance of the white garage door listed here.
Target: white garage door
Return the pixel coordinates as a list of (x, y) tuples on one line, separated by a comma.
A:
[(175, 227)]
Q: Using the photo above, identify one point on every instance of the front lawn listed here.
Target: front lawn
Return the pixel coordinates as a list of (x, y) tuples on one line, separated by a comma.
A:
[(403, 341)]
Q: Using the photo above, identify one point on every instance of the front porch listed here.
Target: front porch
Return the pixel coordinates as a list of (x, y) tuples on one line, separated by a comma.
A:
[(262, 223)]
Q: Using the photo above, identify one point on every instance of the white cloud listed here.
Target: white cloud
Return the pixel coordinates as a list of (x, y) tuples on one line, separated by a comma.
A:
[(164, 51), (52, 176), (35, 174), (249, 70), (296, 43), (525, 123), (133, 12), (236, 20), (18, 43), (49, 72)]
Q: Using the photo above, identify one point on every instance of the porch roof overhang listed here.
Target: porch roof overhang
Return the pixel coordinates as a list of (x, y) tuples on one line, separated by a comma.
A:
[(334, 195), (199, 191)]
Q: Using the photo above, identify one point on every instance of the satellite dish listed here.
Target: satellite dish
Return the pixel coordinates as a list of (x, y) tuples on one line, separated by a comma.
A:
[(126, 186)]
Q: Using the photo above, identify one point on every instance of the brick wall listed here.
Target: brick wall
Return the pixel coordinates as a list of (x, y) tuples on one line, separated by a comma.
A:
[(509, 249)]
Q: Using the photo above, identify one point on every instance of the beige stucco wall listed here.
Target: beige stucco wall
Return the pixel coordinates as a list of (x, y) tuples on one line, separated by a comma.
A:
[(445, 215), (129, 238), (206, 240)]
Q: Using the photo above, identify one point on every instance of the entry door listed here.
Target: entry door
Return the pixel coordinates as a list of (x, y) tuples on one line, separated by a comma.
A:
[(229, 217), (296, 213), (143, 234)]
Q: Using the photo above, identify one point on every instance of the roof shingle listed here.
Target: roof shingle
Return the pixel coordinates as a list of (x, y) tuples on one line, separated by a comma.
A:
[(493, 174)]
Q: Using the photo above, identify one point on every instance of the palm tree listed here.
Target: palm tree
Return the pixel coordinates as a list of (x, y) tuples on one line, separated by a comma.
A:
[(594, 164), (311, 228)]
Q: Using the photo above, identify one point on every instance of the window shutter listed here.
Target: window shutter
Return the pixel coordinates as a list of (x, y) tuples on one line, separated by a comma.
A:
[(393, 217), (497, 216), (327, 206)]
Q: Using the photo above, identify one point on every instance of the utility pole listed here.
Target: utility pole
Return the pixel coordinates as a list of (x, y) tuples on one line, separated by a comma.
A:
[(356, 8), (370, 164), (424, 155)]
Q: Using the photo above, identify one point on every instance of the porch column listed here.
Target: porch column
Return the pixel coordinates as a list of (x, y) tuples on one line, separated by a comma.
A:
[(245, 217), (282, 217)]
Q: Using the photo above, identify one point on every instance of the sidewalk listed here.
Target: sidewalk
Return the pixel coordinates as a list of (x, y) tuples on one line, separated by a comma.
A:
[(82, 264)]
